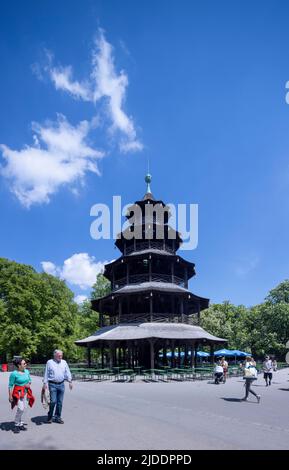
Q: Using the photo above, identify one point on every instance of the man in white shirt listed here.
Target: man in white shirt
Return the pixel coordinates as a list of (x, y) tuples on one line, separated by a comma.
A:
[(268, 370), (56, 372), (218, 372)]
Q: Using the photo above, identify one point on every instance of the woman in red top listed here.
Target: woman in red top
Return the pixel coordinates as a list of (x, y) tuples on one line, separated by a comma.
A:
[(20, 392)]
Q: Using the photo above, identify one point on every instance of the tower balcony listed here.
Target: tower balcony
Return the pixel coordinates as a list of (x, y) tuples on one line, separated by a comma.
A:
[(144, 317), (149, 245), (146, 277)]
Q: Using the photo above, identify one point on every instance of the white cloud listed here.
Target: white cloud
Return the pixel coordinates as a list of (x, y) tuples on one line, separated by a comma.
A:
[(79, 299), (105, 83), (50, 268), (78, 270), (59, 156), (61, 77)]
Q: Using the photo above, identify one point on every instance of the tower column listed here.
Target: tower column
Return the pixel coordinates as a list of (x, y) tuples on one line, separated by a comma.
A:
[(212, 354), (152, 353), (182, 309), (127, 273), (196, 345), (89, 356), (151, 306), (119, 309), (100, 315), (186, 277), (150, 269)]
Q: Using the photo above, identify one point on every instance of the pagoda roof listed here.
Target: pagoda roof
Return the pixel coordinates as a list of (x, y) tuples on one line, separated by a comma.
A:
[(153, 252), (152, 285), (147, 199), (148, 196), (150, 330), (126, 234), (165, 287)]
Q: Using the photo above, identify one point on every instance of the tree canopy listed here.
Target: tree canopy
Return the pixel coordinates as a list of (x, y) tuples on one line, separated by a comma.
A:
[(261, 329), (38, 313)]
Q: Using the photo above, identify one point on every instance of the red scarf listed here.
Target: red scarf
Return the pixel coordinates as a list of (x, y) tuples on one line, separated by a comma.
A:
[(19, 392)]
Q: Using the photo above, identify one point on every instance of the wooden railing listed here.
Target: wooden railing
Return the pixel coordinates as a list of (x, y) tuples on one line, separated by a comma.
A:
[(154, 277), (149, 245), (155, 317)]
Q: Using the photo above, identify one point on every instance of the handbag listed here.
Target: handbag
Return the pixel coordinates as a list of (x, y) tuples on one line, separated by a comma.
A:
[(250, 372), (45, 398)]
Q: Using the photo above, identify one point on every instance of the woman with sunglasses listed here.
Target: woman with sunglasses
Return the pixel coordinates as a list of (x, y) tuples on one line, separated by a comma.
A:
[(20, 392)]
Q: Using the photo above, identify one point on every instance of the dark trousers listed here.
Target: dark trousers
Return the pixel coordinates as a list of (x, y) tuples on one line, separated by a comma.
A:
[(218, 377), (56, 399), (268, 375), (248, 388)]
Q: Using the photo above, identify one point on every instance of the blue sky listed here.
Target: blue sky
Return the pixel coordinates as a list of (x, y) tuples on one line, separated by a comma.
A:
[(198, 87)]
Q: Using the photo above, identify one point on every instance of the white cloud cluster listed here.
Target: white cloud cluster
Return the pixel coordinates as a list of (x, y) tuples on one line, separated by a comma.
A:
[(78, 270), (59, 156), (106, 83), (62, 78)]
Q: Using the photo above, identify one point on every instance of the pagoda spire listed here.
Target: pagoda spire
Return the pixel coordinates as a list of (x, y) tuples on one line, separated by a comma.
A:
[(148, 179)]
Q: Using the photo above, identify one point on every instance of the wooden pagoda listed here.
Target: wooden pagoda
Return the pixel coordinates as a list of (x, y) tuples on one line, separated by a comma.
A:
[(150, 309)]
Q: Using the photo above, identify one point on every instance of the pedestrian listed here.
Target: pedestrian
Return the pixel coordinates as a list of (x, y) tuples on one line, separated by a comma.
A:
[(218, 372), (225, 366), (20, 393), (268, 370), (274, 364), (250, 374), (56, 372)]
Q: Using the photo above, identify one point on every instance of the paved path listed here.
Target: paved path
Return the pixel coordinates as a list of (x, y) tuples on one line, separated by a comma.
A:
[(148, 416)]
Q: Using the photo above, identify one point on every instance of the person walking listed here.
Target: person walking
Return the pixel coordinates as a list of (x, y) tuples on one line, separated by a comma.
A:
[(268, 370), (218, 371), (20, 393), (225, 366), (250, 374), (56, 372)]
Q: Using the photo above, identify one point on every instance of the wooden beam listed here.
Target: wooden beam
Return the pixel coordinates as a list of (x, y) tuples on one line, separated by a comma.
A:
[(89, 356), (195, 353), (212, 353), (152, 353)]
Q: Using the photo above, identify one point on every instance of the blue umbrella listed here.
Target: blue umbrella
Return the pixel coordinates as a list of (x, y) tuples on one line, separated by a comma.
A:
[(240, 353), (224, 352), (202, 354)]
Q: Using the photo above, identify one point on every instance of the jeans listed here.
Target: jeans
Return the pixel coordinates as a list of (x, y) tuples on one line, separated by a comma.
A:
[(21, 408), (248, 388), (56, 399)]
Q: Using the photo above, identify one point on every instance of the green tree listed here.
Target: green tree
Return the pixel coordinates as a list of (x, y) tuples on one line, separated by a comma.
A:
[(101, 287), (40, 313), (279, 294), (226, 321)]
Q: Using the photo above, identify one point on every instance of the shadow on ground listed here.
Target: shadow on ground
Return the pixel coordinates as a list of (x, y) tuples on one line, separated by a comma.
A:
[(234, 400), (8, 426), (284, 389), (39, 420)]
